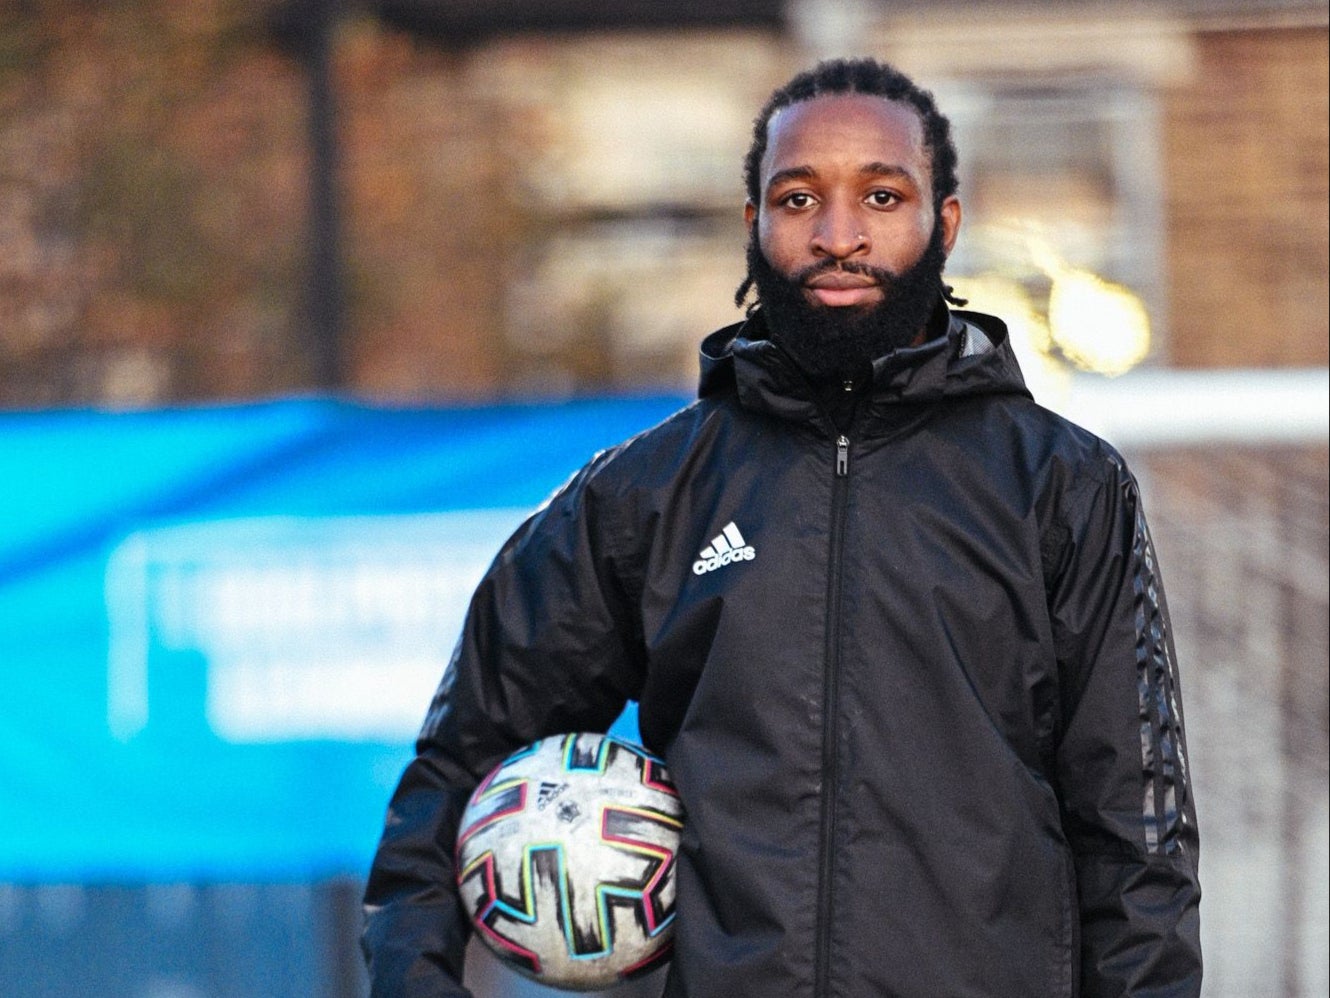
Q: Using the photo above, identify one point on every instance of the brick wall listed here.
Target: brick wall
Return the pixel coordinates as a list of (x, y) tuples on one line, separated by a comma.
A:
[(1246, 147), (430, 221)]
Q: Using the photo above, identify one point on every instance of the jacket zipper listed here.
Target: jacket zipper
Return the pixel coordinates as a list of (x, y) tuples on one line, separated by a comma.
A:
[(830, 723)]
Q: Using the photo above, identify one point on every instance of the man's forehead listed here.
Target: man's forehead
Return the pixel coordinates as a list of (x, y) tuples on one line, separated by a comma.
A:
[(880, 128)]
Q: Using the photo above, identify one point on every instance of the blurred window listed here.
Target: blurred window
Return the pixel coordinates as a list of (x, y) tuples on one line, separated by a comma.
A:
[(630, 158), (1057, 175)]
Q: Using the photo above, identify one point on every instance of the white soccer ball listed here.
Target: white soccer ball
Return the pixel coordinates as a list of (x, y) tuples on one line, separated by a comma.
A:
[(565, 861)]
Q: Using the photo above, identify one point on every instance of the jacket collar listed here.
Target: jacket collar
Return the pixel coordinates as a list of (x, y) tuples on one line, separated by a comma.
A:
[(973, 357)]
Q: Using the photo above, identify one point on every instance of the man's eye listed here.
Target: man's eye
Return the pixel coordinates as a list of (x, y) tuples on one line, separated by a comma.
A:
[(883, 199), (797, 200)]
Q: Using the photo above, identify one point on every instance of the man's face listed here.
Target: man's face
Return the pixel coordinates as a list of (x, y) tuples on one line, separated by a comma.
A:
[(847, 218)]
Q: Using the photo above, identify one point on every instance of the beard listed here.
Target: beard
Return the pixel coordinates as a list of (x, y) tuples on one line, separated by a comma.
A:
[(836, 343)]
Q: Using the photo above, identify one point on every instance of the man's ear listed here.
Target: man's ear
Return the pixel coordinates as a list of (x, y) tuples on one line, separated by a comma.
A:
[(750, 215), (949, 216)]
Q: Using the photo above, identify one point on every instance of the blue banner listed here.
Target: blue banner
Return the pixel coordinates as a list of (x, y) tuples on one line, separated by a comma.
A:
[(220, 627)]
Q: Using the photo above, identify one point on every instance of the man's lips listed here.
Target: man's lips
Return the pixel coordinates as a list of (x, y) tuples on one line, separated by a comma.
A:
[(839, 288)]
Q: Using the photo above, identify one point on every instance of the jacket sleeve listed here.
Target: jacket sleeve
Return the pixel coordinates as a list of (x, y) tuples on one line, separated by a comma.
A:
[(547, 647), (1121, 757)]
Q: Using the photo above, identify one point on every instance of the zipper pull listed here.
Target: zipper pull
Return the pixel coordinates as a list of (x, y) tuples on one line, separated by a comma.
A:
[(842, 456)]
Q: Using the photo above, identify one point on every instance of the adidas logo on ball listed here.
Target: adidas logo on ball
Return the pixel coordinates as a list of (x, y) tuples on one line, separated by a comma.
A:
[(726, 548)]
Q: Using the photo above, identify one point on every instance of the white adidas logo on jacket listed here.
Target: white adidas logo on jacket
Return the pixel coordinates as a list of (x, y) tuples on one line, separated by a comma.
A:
[(726, 547)]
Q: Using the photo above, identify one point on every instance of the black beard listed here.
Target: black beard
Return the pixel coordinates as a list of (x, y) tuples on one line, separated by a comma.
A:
[(837, 343)]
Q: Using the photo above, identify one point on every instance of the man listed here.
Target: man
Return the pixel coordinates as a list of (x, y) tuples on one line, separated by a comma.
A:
[(926, 729)]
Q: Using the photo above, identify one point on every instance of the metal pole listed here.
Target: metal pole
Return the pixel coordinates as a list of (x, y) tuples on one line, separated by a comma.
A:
[(338, 904), (326, 297)]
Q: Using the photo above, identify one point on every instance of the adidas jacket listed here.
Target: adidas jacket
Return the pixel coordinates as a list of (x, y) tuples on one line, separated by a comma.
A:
[(914, 683)]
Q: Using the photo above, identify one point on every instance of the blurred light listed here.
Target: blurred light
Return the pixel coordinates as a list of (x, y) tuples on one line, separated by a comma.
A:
[(1083, 321), (1098, 325), (1007, 298), (1045, 375)]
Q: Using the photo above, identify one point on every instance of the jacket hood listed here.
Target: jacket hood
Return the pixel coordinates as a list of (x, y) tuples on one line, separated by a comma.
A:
[(973, 358)]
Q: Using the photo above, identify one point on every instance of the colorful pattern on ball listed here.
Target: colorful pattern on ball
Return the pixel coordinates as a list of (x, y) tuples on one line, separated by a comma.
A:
[(565, 860)]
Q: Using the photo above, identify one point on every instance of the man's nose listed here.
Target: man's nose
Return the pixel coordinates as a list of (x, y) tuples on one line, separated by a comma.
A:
[(839, 234)]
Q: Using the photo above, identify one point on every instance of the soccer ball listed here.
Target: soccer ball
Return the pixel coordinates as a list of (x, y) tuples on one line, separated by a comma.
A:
[(565, 861)]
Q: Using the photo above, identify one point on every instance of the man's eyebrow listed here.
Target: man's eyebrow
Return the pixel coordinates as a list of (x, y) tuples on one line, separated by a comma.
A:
[(888, 170), (791, 173)]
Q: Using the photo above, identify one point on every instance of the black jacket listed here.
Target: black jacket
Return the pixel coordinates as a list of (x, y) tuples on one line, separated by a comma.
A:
[(925, 724)]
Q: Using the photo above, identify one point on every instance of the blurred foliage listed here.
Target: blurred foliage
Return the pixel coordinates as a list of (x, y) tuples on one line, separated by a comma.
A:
[(155, 150), (154, 207)]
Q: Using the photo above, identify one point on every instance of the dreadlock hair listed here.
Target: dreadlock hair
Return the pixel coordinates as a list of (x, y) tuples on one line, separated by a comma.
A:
[(857, 76)]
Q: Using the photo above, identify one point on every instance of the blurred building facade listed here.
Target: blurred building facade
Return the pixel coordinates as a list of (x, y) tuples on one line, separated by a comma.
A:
[(552, 214)]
